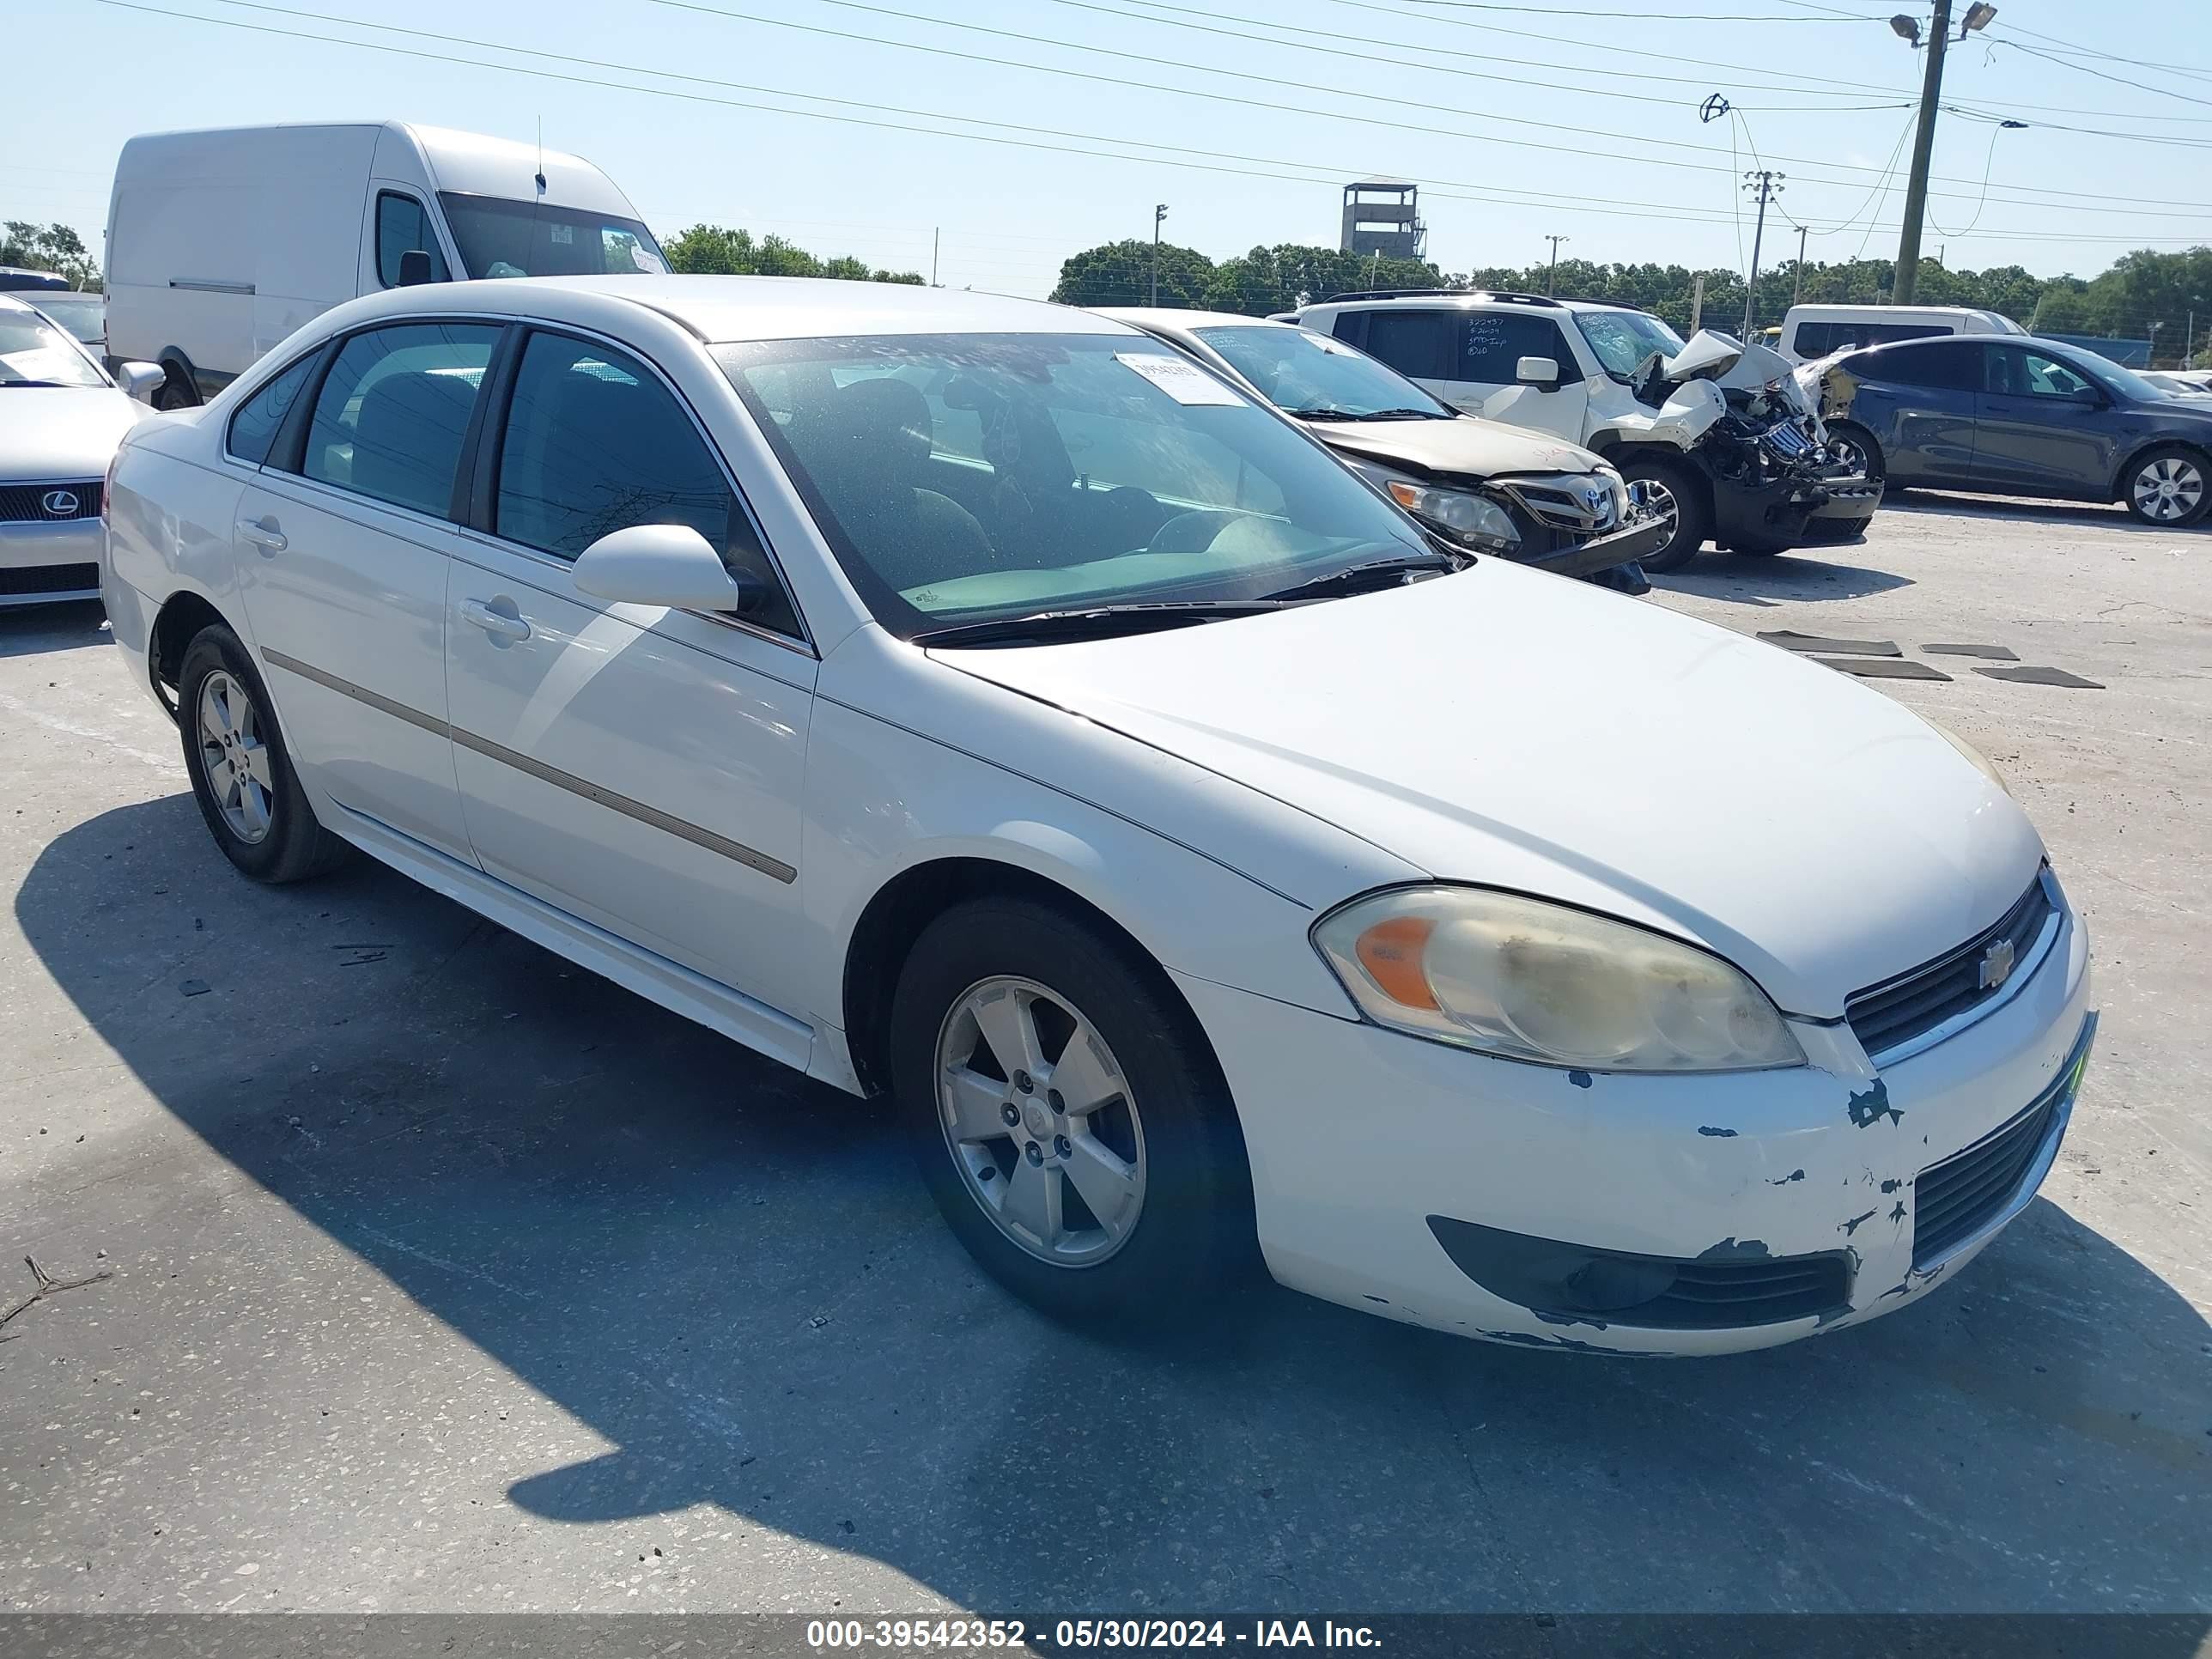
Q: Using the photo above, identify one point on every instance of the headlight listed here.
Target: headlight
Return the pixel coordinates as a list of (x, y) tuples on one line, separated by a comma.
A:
[(1525, 980), (1982, 762), (1459, 513)]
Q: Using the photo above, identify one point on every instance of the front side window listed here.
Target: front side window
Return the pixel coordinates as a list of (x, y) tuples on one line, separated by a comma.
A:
[(35, 352), (392, 410), (1497, 341), (253, 430), (1111, 470), (1415, 343), (1622, 341), (2033, 375), (501, 238), (1308, 375), (403, 226), (595, 443)]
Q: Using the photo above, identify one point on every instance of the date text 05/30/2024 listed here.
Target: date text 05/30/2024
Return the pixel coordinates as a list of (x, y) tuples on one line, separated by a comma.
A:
[(827, 1635)]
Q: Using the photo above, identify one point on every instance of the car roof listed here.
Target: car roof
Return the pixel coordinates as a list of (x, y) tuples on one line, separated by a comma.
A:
[(730, 309), (1148, 317), (1467, 299)]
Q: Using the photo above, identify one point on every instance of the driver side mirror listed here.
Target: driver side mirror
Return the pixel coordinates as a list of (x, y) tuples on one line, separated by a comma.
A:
[(414, 268), (1542, 372), (140, 381), (662, 564)]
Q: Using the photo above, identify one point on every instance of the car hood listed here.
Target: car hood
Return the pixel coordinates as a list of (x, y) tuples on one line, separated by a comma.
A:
[(62, 433), (1465, 446), (1513, 729)]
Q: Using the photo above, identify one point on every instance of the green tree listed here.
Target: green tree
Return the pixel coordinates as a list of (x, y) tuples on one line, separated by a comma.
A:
[(714, 251), (1121, 274), (53, 248)]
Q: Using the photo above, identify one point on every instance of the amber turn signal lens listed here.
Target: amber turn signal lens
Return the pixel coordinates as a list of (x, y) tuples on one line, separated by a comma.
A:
[(1391, 952)]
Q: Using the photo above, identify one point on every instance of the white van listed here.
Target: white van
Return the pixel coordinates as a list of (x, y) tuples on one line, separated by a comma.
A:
[(220, 243), (1811, 332)]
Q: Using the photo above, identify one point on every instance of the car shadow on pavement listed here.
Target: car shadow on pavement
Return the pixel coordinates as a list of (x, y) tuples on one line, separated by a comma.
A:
[(1767, 580), (731, 1275), (28, 630), (2090, 515)]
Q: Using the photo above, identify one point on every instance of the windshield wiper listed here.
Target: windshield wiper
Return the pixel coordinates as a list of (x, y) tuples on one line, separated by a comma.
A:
[(1410, 414), (65, 385), (1324, 412), (1381, 572), (1329, 414), (1092, 622)]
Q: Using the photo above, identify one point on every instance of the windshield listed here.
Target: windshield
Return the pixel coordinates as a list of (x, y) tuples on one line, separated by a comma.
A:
[(1308, 374), (967, 477), (1622, 339), (34, 352), (84, 315), (500, 237)]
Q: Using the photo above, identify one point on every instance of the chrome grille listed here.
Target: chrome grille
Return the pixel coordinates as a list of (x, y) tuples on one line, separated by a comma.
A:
[(1886, 1017), (1578, 504)]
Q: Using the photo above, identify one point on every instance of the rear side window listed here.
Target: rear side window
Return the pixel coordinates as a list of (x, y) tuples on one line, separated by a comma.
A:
[(1949, 364), (389, 421), (1497, 341), (255, 428), (1415, 343), (595, 443), (1818, 340), (403, 225)]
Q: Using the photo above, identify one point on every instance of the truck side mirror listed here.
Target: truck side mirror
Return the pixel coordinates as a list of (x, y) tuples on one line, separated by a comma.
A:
[(414, 268)]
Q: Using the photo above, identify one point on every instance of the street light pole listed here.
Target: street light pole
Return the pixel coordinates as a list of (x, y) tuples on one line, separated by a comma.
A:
[(1551, 271), (1797, 281), (1160, 213), (1924, 139)]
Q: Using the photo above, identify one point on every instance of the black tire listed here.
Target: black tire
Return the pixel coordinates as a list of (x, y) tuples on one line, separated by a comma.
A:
[(2190, 470), (1849, 434), (1692, 503), (178, 391), (1192, 1234), (294, 845)]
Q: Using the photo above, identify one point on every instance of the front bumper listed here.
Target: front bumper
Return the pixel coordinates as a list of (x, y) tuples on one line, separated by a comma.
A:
[(1793, 511), (47, 563), (1624, 546), (1359, 1136)]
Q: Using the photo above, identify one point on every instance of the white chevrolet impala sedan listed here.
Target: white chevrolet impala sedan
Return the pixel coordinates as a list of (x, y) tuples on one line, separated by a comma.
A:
[(973, 702)]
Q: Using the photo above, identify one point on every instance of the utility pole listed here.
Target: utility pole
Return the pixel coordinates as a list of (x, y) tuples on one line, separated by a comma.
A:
[(1160, 213), (1767, 186), (1797, 283), (934, 234), (1696, 301), (1924, 146), (1551, 272)]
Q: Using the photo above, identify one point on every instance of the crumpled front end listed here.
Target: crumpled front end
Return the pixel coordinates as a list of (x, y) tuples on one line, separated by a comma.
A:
[(1645, 1214)]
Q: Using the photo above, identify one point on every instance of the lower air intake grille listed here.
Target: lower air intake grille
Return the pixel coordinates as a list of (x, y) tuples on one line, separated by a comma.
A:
[(1955, 1199), (50, 579)]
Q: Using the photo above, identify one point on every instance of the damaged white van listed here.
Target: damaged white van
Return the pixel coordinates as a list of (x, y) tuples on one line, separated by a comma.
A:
[(220, 243)]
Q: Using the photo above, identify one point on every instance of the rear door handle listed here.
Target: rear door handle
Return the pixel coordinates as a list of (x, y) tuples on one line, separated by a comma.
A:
[(263, 533), (500, 624)]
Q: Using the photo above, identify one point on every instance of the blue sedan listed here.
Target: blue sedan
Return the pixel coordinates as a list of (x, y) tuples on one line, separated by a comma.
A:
[(2018, 416)]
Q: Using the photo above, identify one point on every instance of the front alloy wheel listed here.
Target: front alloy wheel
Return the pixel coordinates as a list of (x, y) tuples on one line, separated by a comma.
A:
[(2167, 487), (1040, 1122)]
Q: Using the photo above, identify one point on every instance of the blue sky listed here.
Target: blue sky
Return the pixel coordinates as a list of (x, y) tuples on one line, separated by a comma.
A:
[(1519, 121)]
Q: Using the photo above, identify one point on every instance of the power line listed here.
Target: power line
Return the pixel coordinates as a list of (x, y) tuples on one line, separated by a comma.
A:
[(1640, 141), (2083, 69), (1644, 16), (1311, 173), (2111, 58)]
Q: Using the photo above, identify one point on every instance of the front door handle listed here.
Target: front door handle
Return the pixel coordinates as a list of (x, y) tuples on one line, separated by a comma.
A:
[(500, 624), (263, 533)]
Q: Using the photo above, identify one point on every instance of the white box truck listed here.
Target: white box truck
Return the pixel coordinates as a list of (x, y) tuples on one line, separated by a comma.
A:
[(220, 243)]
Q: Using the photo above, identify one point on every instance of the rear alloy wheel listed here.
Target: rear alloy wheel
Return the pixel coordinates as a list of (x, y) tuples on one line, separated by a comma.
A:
[(1669, 491), (2168, 487), (241, 775)]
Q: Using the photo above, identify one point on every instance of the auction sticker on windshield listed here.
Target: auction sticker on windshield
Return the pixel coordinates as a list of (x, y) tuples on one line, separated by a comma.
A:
[(1186, 383)]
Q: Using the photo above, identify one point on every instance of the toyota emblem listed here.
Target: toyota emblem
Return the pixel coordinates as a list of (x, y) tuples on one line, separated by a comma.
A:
[(61, 503)]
